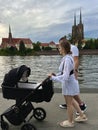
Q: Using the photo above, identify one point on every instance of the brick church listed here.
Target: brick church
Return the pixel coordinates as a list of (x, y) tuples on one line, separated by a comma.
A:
[(15, 42)]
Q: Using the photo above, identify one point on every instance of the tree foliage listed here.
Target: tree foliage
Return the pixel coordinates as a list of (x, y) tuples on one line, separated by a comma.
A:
[(22, 48), (91, 44), (36, 46)]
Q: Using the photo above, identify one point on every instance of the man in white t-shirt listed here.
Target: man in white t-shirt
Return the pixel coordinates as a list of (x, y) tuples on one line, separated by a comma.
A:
[(75, 54)]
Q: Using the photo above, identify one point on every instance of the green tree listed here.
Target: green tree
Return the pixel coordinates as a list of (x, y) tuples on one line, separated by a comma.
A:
[(29, 51), (12, 50), (47, 48), (36, 46), (92, 45), (96, 43), (22, 48)]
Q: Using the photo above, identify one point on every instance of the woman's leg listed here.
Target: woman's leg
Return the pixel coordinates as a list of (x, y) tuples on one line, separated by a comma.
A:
[(69, 102)]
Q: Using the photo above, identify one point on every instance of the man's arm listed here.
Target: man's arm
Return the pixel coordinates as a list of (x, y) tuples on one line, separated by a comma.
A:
[(76, 61)]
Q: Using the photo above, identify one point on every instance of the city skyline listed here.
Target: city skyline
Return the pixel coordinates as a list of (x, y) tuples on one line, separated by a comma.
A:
[(45, 21)]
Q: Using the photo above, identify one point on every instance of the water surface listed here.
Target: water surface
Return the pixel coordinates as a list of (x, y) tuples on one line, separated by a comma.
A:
[(42, 65)]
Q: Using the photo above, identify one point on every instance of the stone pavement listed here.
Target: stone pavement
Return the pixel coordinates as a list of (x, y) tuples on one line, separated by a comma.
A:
[(55, 114)]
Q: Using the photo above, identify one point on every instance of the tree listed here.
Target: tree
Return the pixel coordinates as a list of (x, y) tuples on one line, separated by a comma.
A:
[(96, 43), (47, 48), (22, 48), (12, 50), (36, 46)]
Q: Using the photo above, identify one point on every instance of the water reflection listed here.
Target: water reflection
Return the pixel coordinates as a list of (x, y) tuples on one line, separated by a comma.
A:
[(43, 65)]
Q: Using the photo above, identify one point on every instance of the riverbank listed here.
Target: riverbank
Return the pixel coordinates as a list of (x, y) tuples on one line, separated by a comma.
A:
[(89, 52), (82, 52)]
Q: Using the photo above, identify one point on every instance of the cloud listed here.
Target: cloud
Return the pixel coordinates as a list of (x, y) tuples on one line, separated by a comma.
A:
[(43, 20)]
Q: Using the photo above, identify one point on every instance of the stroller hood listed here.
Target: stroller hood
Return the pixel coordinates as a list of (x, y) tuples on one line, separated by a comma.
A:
[(13, 76)]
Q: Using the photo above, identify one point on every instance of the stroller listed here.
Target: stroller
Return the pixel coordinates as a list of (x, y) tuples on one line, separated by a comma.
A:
[(24, 93)]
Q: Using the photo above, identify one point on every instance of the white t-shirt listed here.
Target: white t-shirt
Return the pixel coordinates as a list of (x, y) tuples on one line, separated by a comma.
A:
[(75, 51)]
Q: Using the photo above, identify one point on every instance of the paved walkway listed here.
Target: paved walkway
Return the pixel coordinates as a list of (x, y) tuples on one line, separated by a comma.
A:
[(55, 114)]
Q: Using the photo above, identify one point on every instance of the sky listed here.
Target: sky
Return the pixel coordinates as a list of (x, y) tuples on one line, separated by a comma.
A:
[(47, 20)]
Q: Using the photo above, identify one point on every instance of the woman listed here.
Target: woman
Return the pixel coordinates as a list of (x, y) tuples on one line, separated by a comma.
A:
[(70, 86)]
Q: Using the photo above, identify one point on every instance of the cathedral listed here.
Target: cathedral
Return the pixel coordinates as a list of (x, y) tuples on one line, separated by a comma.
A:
[(78, 30)]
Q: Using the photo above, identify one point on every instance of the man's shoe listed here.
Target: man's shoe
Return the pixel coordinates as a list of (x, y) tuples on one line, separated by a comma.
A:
[(83, 108), (63, 106)]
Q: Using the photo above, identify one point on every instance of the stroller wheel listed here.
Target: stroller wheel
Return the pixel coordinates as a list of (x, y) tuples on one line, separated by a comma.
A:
[(39, 113), (28, 126), (4, 125)]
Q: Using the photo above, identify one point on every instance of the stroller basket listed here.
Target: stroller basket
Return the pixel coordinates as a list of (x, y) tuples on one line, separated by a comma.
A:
[(16, 115), (36, 95)]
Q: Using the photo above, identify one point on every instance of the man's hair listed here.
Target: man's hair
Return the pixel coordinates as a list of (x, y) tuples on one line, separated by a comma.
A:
[(62, 39)]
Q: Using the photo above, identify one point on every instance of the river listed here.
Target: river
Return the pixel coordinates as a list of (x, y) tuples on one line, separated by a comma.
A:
[(42, 65)]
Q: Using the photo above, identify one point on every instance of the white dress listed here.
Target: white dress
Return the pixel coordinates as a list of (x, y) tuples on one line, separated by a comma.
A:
[(70, 85)]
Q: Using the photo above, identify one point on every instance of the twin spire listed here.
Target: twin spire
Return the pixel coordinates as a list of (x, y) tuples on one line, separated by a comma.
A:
[(75, 18)]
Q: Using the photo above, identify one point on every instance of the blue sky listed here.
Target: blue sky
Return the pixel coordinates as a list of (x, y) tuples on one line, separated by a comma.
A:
[(47, 20)]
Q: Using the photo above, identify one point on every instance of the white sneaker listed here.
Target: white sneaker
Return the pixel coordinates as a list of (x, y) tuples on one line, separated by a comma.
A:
[(81, 119), (63, 106), (83, 109), (77, 113)]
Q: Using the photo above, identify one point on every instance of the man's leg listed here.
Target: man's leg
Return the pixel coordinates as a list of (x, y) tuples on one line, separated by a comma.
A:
[(82, 105), (77, 98)]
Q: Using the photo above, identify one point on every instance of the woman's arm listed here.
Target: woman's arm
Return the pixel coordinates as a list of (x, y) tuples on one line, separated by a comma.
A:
[(65, 75)]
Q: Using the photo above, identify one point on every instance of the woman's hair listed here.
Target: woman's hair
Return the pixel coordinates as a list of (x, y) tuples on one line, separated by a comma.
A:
[(66, 45)]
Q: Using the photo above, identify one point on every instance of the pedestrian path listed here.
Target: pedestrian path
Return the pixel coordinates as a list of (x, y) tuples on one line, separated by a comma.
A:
[(56, 114)]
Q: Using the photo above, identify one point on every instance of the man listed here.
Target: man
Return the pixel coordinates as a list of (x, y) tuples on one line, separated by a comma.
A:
[(75, 54)]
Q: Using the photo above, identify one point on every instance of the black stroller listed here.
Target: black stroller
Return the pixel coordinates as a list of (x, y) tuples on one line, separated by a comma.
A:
[(23, 96)]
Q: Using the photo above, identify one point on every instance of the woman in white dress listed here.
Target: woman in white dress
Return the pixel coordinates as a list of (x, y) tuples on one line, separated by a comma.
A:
[(70, 86)]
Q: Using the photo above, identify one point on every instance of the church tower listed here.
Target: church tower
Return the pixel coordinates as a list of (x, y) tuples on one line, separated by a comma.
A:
[(77, 30), (80, 29), (74, 30), (10, 36)]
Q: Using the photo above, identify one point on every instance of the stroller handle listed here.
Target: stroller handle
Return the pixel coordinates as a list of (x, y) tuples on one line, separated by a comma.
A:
[(48, 78)]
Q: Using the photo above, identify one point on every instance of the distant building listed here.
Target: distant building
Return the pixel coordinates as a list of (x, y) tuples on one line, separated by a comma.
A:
[(78, 30), (15, 42), (50, 44)]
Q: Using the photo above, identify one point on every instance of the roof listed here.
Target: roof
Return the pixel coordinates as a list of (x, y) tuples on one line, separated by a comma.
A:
[(17, 40), (44, 44), (52, 43)]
